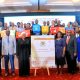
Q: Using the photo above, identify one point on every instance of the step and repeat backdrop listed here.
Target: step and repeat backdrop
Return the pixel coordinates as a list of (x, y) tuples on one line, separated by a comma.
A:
[(29, 19)]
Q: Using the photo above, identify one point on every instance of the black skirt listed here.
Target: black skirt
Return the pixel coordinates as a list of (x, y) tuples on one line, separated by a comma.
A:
[(60, 61)]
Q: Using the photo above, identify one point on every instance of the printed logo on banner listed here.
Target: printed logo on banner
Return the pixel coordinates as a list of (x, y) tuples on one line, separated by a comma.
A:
[(42, 43), (18, 34), (54, 30), (72, 31), (36, 28)]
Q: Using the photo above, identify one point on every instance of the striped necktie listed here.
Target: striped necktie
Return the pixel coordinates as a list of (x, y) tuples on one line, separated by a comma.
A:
[(67, 40)]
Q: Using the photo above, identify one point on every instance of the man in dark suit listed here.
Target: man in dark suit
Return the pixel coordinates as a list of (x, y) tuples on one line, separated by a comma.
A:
[(71, 52)]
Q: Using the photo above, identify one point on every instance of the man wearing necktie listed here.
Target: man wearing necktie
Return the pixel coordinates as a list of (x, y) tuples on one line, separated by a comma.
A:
[(71, 52), (8, 51), (77, 32)]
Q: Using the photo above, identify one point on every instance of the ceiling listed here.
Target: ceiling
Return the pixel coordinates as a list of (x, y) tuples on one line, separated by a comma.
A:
[(11, 6)]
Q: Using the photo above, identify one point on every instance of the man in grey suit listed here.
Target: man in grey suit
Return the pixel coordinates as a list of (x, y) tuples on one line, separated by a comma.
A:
[(8, 51), (71, 52)]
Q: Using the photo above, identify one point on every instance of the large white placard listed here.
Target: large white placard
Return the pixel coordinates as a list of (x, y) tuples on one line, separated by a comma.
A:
[(43, 51)]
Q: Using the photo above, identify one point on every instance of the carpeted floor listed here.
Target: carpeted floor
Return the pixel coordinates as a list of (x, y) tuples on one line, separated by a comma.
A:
[(42, 75)]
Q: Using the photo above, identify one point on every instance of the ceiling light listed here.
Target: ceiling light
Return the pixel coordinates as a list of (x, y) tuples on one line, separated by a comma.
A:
[(76, 1), (36, 1), (1, 1)]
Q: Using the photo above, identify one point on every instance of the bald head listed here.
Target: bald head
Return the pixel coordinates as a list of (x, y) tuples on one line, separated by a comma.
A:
[(44, 23), (36, 21)]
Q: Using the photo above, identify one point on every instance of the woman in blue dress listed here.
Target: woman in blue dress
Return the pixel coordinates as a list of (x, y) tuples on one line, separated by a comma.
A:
[(78, 49), (59, 52)]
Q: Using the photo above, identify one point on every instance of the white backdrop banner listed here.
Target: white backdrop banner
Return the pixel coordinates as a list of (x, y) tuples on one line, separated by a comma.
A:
[(43, 51)]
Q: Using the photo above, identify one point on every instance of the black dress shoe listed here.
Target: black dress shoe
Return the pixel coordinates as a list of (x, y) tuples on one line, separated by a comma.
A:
[(0, 74)]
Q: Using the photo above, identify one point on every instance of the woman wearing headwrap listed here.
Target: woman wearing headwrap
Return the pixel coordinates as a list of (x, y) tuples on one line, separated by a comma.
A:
[(23, 53)]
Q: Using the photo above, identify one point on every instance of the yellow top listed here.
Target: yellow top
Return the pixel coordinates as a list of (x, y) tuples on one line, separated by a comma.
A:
[(62, 29), (3, 33), (45, 29)]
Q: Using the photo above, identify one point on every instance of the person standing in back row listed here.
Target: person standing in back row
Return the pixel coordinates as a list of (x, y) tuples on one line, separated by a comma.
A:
[(36, 28)]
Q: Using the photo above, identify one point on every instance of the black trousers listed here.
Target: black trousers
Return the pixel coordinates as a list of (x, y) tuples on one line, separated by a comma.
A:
[(24, 67), (71, 63)]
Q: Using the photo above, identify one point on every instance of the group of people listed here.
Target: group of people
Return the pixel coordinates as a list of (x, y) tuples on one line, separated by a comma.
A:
[(36, 28), (67, 51), (66, 47), (9, 47)]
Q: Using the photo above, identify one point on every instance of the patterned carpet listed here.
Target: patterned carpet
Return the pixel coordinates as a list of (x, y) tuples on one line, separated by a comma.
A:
[(42, 75)]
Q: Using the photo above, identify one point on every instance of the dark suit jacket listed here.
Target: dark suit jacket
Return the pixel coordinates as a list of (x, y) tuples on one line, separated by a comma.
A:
[(26, 49), (0, 47), (71, 47)]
